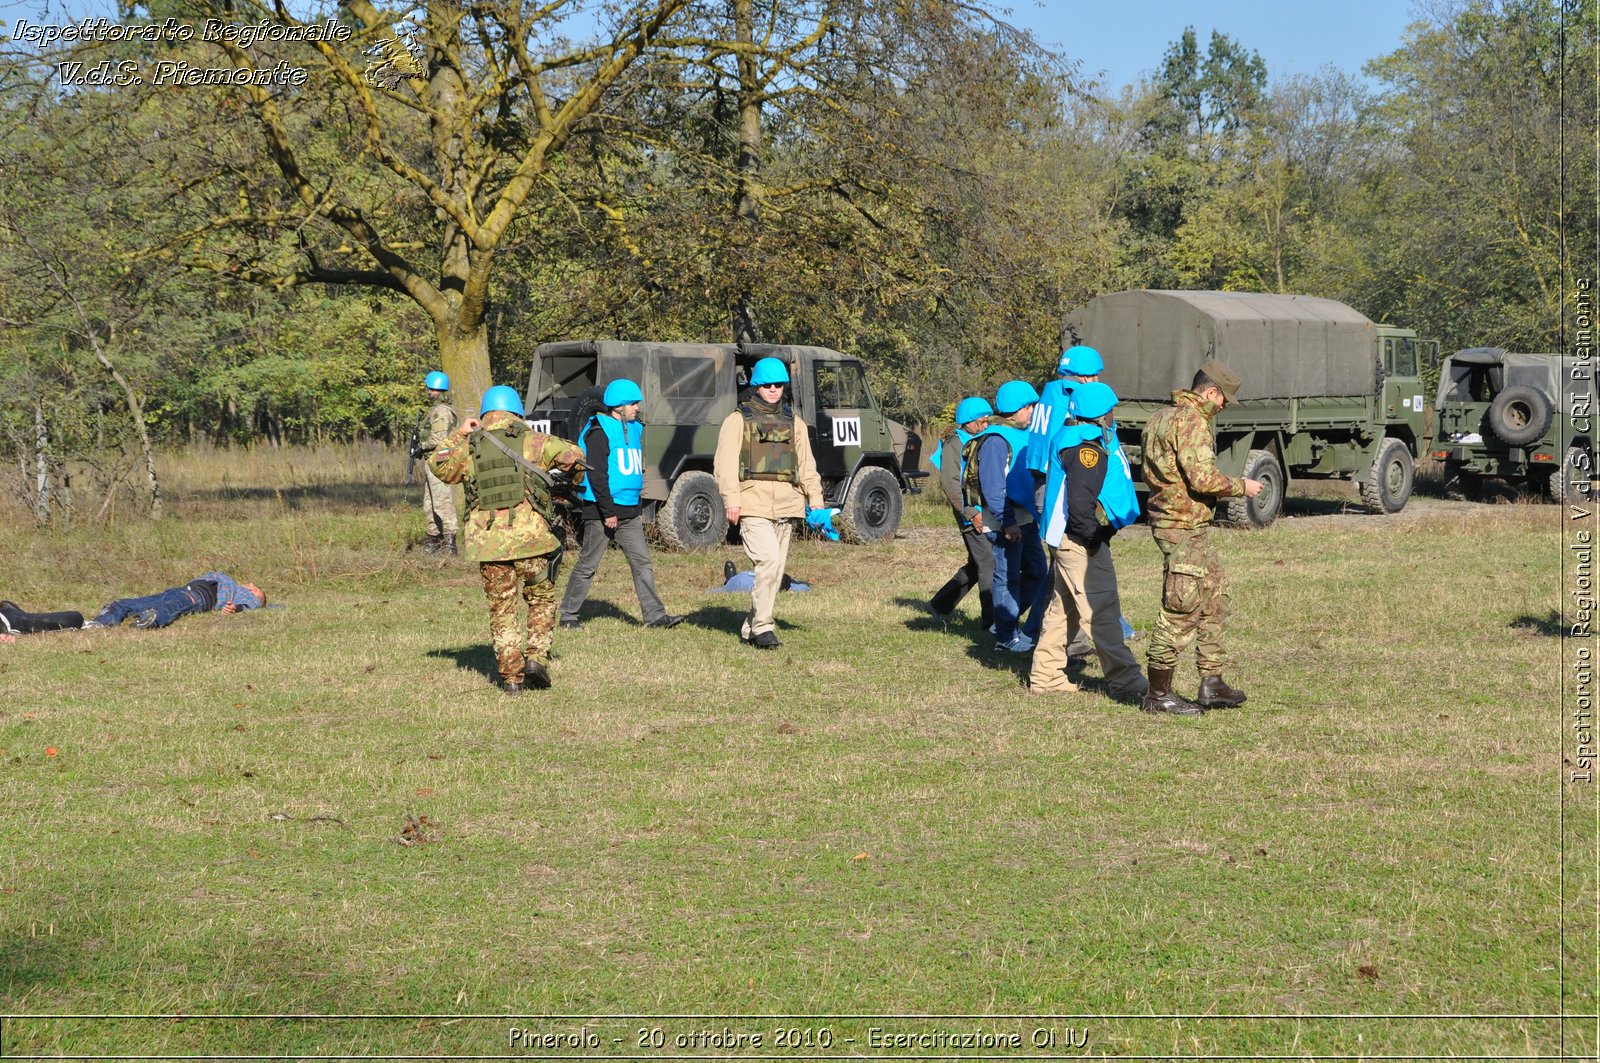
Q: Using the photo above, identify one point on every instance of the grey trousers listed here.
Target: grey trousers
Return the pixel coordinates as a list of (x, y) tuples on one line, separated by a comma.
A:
[(629, 535)]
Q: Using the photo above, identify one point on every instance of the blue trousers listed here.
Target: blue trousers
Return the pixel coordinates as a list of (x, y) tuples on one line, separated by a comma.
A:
[(1019, 583), (168, 604)]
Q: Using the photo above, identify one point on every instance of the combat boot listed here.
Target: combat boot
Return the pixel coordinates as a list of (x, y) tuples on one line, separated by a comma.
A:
[(1160, 698), (1217, 694), (432, 544), (450, 544), (511, 686), (536, 675)]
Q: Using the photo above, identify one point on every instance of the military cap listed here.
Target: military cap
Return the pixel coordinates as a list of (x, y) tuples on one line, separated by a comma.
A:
[(1226, 379)]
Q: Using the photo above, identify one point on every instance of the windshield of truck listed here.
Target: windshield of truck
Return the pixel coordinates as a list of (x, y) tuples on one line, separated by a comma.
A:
[(1405, 357), (563, 376), (841, 385)]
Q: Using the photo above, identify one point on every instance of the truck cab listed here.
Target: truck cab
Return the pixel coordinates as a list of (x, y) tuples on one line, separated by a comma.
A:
[(864, 459)]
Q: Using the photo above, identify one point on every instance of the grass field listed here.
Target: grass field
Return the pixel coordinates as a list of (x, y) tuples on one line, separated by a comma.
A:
[(876, 820)]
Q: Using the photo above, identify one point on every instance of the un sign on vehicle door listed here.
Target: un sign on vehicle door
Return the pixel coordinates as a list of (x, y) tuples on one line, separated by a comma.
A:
[(847, 431)]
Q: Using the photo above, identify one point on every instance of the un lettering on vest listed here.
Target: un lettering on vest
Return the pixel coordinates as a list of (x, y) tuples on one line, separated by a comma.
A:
[(630, 461), (1040, 424)]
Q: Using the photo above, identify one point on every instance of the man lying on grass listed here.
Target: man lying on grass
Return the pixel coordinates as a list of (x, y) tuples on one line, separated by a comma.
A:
[(208, 591)]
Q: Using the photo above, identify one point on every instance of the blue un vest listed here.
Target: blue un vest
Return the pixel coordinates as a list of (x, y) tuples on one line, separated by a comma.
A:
[(1117, 495), (962, 439), (1048, 416), (1019, 481), (625, 468)]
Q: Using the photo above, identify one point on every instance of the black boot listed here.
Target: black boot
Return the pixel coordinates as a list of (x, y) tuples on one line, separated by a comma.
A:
[(450, 544), (1160, 698), (1216, 694), (536, 675), (432, 544)]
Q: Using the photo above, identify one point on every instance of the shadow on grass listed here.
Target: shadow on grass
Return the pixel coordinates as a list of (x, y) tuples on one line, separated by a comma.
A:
[(478, 658), (925, 619), (1550, 625)]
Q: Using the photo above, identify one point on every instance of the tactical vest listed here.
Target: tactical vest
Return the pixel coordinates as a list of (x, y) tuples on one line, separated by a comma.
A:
[(498, 481), (424, 429), (768, 450), (971, 483), (625, 466)]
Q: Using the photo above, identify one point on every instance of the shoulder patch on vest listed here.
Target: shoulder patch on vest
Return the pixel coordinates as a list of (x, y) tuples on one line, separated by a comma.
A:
[(1088, 457)]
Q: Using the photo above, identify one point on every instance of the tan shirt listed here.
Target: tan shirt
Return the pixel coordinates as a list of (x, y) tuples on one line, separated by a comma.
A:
[(772, 499)]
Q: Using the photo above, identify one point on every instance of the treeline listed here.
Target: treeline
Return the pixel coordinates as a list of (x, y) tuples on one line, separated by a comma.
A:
[(917, 182)]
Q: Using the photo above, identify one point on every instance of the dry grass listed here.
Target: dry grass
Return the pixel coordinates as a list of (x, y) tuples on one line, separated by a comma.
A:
[(876, 818)]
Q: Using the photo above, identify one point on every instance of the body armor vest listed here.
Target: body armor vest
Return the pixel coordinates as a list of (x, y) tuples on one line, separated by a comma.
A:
[(768, 452), (971, 485), (498, 481)]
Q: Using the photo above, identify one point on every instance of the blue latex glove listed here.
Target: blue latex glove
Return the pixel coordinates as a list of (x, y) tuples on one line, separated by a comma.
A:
[(822, 520)]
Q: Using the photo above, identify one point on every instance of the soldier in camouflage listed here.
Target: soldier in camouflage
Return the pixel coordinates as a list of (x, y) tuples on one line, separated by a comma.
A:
[(507, 470), (434, 426), (1180, 468)]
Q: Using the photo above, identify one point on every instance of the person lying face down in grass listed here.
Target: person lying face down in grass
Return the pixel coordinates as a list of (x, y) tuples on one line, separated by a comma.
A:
[(208, 591)]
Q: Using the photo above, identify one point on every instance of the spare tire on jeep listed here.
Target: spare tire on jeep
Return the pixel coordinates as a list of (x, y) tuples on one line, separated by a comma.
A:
[(1520, 414)]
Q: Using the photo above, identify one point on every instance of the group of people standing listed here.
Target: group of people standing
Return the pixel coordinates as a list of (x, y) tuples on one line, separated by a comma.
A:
[(1034, 471), (1028, 473), (764, 471)]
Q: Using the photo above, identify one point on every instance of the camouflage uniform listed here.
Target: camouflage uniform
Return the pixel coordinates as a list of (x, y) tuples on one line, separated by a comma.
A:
[(1180, 468), (513, 547), (438, 499)]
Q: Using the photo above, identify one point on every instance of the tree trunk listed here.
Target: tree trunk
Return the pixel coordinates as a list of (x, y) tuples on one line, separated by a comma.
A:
[(747, 209), (41, 458), (465, 360), (136, 410)]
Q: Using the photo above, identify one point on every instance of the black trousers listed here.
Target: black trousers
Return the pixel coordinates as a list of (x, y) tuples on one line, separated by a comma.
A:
[(977, 572), (15, 621)]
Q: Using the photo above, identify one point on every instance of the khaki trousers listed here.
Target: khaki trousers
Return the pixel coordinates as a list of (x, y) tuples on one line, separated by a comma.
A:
[(1084, 594), (438, 504), (766, 544)]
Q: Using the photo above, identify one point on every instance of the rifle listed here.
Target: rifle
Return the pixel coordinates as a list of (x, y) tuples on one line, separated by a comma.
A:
[(413, 452)]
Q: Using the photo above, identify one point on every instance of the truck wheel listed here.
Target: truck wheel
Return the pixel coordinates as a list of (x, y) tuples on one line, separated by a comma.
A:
[(1521, 414), (1567, 483), (871, 510), (1264, 508), (1388, 485), (692, 516)]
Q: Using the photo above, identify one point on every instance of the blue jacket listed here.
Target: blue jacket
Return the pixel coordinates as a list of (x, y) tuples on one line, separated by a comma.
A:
[(997, 460), (231, 592)]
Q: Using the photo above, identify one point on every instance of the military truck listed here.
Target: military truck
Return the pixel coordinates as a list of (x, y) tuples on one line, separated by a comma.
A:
[(865, 460), (1526, 418), (1326, 392)]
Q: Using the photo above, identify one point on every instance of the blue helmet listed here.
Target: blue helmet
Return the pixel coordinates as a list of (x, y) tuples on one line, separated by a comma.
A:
[(501, 397), (436, 381), (968, 410), (1093, 400), (621, 392), (1013, 396), (1080, 361), (769, 371)]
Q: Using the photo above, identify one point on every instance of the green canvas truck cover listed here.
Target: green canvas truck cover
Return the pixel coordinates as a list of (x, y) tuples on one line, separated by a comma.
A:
[(1284, 346), (1556, 375)]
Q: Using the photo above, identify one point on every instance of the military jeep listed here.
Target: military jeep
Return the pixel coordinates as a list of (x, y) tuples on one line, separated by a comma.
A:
[(1526, 418), (865, 459)]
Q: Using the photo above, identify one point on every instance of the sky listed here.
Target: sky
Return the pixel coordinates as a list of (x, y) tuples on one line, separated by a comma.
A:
[(1126, 38), (1123, 39)]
